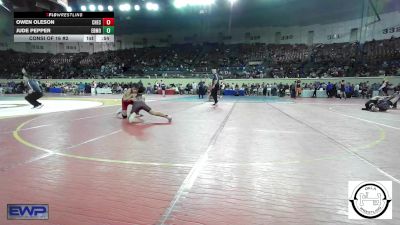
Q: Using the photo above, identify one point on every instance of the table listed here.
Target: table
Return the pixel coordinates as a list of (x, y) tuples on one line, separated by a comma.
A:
[(102, 91), (167, 92), (309, 94), (55, 90), (233, 92)]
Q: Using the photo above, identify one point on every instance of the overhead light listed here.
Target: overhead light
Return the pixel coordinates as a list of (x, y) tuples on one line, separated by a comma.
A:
[(232, 1), (2, 5), (156, 7), (180, 3), (152, 6), (125, 7), (100, 8), (92, 8), (183, 3), (110, 8), (149, 5), (137, 7), (83, 8), (69, 9)]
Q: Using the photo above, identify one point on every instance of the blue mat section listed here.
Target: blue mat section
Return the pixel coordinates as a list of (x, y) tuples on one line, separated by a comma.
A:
[(244, 99)]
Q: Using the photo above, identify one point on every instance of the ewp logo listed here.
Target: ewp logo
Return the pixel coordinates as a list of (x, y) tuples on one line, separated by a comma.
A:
[(28, 212)]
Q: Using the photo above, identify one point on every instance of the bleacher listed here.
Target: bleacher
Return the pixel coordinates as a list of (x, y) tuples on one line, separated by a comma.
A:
[(235, 61)]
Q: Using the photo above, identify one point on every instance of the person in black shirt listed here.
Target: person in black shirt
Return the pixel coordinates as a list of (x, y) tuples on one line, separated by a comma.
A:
[(163, 87), (35, 91), (201, 90), (343, 90), (215, 86)]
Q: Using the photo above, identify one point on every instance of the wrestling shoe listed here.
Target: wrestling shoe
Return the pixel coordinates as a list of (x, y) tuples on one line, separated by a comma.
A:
[(134, 119), (169, 118), (119, 115), (374, 109), (38, 106)]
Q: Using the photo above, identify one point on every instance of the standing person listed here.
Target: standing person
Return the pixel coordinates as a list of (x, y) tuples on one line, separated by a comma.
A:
[(384, 88), (35, 91), (148, 89), (94, 86), (343, 90), (215, 86), (293, 90), (334, 90), (194, 88), (329, 89), (163, 87), (315, 87), (269, 90), (81, 88), (357, 90), (222, 89), (156, 87), (201, 90), (298, 88), (364, 90)]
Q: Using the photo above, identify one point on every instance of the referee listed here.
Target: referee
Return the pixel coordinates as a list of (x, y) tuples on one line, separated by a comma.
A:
[(35, 92), (215, 86)]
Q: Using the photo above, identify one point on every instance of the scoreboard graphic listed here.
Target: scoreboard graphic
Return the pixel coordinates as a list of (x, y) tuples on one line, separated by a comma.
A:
[(64, 26)]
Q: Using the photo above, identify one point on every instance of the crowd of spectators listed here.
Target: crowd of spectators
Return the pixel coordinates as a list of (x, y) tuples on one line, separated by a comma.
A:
[(363, 89), (233, 61)]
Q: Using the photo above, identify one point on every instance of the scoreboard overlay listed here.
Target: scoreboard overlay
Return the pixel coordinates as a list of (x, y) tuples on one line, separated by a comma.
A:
[(64, 27)]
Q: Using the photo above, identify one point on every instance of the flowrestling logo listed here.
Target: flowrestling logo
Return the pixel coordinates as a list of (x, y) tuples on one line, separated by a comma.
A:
[(370, 200), (27, 211)]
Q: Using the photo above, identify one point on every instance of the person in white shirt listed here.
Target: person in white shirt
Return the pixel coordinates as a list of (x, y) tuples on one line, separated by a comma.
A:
[(357, 90), (194, 88), (269, 88)]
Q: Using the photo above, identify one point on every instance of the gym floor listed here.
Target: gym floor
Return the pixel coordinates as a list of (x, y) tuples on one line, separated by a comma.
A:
[(250, 160)]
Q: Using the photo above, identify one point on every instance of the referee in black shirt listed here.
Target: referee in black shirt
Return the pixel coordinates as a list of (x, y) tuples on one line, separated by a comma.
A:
[(215, 86), (35, 92)]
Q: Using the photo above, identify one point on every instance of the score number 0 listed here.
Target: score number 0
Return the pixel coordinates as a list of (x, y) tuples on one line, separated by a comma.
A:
[(108, 21)]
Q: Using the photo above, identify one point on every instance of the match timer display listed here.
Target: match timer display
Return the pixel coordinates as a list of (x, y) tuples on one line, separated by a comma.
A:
[(64, 27)]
